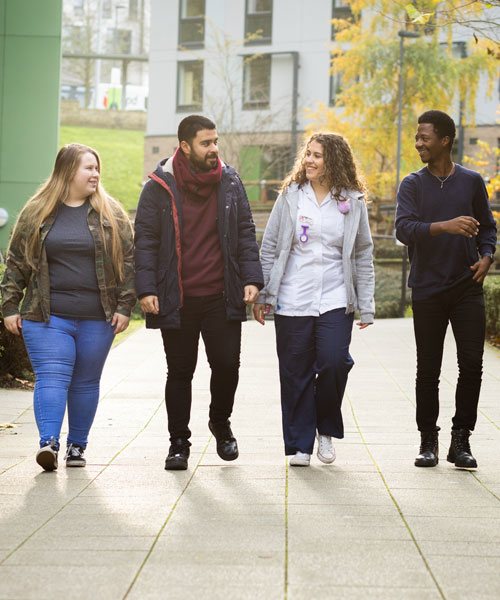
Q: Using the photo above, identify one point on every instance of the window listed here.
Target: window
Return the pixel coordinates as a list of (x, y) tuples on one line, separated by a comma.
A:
[(341, 9), (106, 9), (133, 9), (335, 87), (473, 141), (74, 39), (262, 169), (78, 7), (190, 85), (119, 41), (258, 21), (191, 23), (257, 81)]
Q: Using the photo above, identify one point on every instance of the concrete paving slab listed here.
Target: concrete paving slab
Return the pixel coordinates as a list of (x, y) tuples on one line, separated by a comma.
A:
[(369, 526)]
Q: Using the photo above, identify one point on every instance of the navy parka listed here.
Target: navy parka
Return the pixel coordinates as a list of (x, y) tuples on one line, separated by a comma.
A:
[(158, 235)]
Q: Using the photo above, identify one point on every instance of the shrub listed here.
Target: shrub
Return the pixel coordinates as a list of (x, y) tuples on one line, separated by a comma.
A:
[(14, 359), (388, 292), (492, 301)]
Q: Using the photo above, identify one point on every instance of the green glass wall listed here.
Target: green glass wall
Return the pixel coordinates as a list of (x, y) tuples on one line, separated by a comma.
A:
[(30, 57)]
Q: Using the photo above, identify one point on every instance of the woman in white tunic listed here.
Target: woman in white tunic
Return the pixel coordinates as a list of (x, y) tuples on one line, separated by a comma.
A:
[(316, 256)]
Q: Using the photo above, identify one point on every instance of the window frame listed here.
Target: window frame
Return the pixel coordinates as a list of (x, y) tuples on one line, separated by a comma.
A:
[(182, 20), (340, 12), (78, 7), (181, 64), (263, 40), (256, 104), (335, 86)]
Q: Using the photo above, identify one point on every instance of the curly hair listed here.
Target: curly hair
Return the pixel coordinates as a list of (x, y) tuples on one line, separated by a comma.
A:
[(340, 167)]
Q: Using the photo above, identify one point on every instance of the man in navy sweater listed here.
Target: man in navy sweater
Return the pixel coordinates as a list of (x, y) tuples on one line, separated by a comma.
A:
[(444, 217)]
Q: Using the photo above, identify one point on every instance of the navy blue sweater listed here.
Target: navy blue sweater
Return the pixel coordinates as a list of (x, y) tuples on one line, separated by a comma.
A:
[(440, 262)]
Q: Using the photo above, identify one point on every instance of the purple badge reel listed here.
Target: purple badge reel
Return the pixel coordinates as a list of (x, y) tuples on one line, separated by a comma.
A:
[(303, 237)]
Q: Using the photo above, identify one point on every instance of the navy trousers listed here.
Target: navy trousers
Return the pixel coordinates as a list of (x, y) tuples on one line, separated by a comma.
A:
[(314, 363)]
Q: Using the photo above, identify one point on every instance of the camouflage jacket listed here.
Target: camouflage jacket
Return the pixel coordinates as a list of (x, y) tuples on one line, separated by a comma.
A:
[(115, 296)]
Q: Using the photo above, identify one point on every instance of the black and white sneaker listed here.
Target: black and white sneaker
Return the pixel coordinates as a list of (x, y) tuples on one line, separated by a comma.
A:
[(46, 457), (74, 456)]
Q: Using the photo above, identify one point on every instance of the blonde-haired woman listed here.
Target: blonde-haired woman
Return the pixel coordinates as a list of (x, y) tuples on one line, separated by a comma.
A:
[(72, 251), (316, 256)]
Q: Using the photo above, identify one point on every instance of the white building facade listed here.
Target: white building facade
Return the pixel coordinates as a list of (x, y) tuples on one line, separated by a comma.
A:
[(252, 66)]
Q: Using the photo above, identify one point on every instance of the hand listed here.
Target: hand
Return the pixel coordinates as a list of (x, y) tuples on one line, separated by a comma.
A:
[(466, 226), (119, 323), (481, 268), (251, 294), (259, 310), (149, 304), (363, 325), (13, 324)]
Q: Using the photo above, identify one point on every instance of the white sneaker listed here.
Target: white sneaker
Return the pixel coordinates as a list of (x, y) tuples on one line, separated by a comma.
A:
[(326, 451), (301, 459)]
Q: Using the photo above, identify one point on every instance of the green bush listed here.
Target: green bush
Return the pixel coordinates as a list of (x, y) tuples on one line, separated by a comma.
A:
[(388, 291), (14, 359), (386, 248), (492, 301)]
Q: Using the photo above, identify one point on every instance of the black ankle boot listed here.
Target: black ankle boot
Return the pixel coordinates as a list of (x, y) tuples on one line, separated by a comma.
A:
[(460, 452), (429, 449), (177, 459), (227, 446)]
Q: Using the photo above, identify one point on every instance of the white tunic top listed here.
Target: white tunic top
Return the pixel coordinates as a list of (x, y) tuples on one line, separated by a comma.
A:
[(313, 282)]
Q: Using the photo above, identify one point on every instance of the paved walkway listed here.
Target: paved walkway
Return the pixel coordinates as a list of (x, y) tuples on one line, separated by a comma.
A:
[(369, 526)]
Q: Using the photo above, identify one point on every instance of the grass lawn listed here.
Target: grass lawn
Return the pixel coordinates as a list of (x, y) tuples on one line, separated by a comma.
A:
[(121, 153)]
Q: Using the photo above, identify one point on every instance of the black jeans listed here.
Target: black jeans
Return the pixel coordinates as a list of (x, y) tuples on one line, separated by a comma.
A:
[(463, 307), (222, 338)]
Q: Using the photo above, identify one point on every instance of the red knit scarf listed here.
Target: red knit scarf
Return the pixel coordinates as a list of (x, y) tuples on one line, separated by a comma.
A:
[(196, 185)]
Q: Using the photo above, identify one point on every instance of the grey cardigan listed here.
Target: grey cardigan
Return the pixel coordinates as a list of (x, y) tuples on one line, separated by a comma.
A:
[(357, 251)]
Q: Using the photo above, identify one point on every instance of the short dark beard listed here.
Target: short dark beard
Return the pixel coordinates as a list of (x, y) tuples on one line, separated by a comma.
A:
[(200, 165)]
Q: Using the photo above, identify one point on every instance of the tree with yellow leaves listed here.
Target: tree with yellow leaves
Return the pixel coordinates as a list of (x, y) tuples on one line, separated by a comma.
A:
[(366, 54)]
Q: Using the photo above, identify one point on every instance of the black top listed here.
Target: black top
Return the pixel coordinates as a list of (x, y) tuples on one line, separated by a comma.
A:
[(438, 263), (74, 292)]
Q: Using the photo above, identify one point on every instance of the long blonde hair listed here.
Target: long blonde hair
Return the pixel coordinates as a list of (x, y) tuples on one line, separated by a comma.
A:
[(340, 166), (55, 191)]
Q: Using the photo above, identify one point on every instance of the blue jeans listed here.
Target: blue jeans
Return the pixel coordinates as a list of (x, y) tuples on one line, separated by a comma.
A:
[(314, 363), (68, 357)]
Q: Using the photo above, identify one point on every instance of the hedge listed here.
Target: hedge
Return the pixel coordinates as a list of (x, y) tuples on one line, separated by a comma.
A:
[(13, 357), (492, 301)]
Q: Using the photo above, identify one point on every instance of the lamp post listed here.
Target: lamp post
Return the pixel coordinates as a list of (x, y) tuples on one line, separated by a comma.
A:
[(403, 33), (120, 51), (461, 130), (97, 68)]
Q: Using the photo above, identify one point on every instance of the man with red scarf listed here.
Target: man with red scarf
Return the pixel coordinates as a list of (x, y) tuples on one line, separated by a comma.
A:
[(197, 266)]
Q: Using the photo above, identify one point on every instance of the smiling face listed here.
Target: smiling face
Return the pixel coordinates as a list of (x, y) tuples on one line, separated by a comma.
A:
[(86, 178), (314, 161), (203, 151), (429, 145)]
